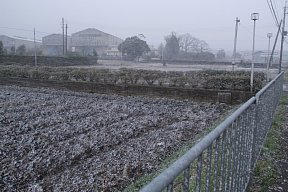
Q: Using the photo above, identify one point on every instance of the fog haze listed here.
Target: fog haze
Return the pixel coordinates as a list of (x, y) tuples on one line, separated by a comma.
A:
[(209, 20)]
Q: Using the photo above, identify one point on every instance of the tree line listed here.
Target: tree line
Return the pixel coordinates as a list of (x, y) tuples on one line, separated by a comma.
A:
[(182, 47), (175, 47)]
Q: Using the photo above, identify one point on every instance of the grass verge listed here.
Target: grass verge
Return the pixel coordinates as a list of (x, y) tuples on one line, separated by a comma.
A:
[(266, 170)]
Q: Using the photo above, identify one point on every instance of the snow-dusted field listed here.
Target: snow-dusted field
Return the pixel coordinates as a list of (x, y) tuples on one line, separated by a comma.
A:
[(116, 65), (65, 141)]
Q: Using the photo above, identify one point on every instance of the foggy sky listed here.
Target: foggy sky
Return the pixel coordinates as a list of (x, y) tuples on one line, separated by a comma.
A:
[(209, 20)]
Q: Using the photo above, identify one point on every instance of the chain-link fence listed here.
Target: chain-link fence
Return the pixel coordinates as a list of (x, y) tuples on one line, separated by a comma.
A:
[(224, 159)]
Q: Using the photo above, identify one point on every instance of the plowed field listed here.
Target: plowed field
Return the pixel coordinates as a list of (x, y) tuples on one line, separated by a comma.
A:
[(65, 141)]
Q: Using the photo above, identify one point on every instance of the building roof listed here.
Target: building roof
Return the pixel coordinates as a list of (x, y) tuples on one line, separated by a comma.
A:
[(89, 31), (17, 41), (93, 31), (53, 35), (54, 39), (5, 37)]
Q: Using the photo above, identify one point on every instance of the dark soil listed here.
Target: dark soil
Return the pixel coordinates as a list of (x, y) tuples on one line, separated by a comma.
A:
[(66, 141)]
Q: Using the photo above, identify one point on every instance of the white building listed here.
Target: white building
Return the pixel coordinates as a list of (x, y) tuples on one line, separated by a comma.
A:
[(90, 40)]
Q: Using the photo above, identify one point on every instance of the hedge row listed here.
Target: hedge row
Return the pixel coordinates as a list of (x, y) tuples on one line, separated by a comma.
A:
[(208, 79)]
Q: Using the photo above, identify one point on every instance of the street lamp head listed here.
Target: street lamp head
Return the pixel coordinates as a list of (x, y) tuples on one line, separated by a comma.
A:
[(269, 35), (254, 16)]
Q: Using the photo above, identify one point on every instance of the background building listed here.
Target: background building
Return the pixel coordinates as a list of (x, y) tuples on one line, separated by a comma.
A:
[(88, 41), (9, 42), (53, 44), (84, 43)]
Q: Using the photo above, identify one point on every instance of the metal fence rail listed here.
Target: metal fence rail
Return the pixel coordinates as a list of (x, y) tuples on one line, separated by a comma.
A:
[(224, 159)]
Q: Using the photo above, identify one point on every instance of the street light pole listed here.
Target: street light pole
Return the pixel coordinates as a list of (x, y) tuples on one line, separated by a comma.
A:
[(284, 33), (63, 37), (235, 42), (269, 35), (162, 54), (121, 53), (254, 17), (35, 48)]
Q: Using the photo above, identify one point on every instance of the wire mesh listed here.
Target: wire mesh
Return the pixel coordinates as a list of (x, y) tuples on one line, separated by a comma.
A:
[(224, 159)]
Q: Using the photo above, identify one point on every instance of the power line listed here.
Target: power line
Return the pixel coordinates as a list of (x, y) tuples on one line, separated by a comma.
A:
[(276, 17), (15, 29), (19, 29), (275, 5), (248, 30), (270, 5)]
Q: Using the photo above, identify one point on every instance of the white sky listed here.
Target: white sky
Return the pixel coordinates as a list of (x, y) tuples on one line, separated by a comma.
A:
[(209, 20)]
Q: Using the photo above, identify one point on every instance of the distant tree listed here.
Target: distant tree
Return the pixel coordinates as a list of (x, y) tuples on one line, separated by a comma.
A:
[(1, 48), (220, 55), (172, 46), (203, 46), (161, 49), (152, 53), (12, 50), (238, 55), (204, 56), (188, 43), (134, 47), (95, 54), (21, 50)]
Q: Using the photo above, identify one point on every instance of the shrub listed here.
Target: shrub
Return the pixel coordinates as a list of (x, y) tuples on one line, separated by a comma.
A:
[(7, 72), (22, 72), (103, 75), (162, 78), (175, 78), (39, 74), (192, 79), (208, 79), (123, 76), (79, 74), (150, 76), (113, 77), (93, 76), (63, 76)]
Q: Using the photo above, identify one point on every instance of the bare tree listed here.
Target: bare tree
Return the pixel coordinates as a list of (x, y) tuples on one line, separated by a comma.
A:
[(203, 46), (188, 43), (220, 55)]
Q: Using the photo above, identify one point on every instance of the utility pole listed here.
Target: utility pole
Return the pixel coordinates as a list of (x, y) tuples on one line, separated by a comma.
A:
[(269, 35), (66, 44), (63, 36), (121, 52), (254, 17), (235, 42), (275, 43), (284, 33), (35, 50), (163, 62)]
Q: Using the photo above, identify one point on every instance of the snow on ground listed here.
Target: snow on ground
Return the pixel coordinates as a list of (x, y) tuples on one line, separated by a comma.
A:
[(66, 141), (116, 65)]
